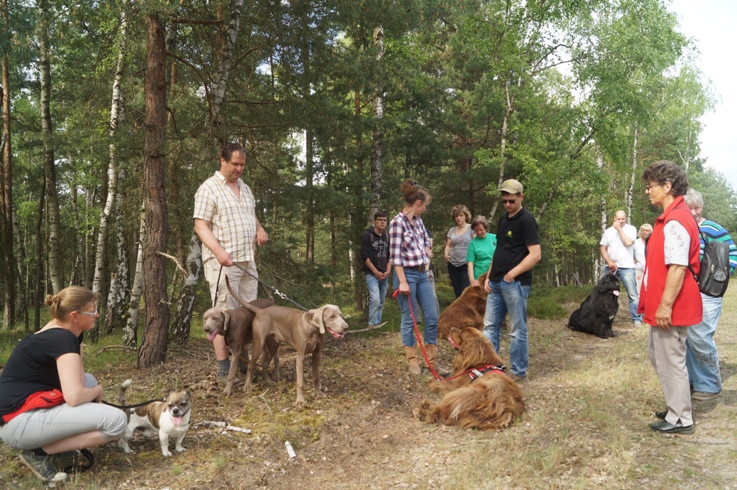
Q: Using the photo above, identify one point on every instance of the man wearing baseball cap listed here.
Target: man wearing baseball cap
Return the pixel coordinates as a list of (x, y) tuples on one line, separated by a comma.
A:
[(510, 277)]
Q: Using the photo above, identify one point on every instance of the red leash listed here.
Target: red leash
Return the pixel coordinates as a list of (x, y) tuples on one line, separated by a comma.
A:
[(418, 337)]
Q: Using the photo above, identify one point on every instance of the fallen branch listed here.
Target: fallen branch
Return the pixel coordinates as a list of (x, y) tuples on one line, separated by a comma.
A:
[(212, 424), (174, 259), (110, 347), (264, 399)]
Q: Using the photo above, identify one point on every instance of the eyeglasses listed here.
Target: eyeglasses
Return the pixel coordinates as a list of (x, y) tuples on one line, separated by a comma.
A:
[(509, 201), (650, 187), (89, 313)]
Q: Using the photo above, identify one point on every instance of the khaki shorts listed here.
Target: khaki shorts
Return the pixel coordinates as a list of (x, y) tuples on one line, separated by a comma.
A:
[(245, 286)]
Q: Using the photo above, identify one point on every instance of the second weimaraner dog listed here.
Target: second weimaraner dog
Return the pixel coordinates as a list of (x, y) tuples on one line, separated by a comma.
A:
[(303, 330), (236, 326)]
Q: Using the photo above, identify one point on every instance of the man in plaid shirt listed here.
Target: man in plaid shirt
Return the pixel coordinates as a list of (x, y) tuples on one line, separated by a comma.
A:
[(225, 220)]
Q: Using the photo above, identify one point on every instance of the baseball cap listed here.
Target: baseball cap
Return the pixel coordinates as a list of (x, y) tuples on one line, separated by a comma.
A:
[(511, 186)]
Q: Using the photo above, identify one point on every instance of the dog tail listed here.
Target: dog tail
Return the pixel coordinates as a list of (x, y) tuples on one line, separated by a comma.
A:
[(243, 302), (121, 391)]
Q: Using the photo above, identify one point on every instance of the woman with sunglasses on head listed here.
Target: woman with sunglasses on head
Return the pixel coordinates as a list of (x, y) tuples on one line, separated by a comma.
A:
[(410, 253), (47, 401)]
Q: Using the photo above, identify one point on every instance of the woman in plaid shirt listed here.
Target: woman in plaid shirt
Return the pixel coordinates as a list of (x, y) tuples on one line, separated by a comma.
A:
[(410, 252)]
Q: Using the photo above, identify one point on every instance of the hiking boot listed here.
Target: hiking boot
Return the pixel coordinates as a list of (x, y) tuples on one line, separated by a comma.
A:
[(517, 378), (42, 466), (703, 395), (74, 461)]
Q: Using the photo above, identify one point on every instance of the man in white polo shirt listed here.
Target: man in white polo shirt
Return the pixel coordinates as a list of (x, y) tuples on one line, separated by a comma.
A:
[(617, 250), (225, 220)]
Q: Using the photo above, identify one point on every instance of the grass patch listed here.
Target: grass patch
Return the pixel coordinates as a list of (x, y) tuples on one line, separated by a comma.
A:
[(553, 303)]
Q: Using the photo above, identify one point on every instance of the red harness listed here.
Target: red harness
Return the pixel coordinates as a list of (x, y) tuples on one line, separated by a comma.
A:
[(477, 372)]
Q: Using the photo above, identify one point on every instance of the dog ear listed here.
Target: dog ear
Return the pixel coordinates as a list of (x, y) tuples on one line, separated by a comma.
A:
[(226, 321), (316, 318)]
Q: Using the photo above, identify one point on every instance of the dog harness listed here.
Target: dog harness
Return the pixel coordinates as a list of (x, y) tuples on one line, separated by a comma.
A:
[(478, 372)]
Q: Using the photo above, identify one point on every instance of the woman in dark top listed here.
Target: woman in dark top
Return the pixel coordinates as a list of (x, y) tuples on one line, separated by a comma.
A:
[(45, 371)]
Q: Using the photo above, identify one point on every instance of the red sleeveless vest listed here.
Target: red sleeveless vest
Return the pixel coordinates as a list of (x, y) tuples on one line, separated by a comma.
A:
[(687, 308)]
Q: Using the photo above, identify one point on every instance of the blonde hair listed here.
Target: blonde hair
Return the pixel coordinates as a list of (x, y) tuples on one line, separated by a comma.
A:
[(480, 220), (412, 191), (73, 298), (645, 227)]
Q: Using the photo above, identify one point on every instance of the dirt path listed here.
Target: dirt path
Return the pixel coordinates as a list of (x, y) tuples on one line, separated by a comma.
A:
[(588, 405)]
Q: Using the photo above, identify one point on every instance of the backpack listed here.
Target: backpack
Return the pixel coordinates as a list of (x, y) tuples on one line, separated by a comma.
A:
[(713, 276)]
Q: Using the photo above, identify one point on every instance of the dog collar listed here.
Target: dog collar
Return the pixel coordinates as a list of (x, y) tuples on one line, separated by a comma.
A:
[(478, 372)]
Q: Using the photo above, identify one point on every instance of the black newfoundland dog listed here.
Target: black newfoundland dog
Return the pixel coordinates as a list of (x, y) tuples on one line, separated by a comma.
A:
[(596, 313)]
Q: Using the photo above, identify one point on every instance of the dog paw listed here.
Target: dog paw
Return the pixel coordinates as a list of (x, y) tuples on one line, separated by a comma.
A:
[(181, 449), (167, 453)]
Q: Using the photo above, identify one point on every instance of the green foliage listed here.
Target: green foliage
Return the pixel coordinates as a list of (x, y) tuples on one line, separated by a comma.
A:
[(547, 303)]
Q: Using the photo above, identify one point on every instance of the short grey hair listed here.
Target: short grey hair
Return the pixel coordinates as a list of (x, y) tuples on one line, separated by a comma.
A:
[(693, 198), (480, 220)]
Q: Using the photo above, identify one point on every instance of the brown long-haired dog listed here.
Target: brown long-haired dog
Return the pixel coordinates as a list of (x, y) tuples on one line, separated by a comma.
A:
[(490, 401), (466, 311)]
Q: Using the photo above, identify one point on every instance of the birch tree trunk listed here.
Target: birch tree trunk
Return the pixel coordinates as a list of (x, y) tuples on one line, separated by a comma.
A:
[(119, 280), (39, 257), (52, 199), (377, 141), (130, 335), (599, 262), (185, 302), (503, 144), (183, 316), (631, 188), (153, 347)]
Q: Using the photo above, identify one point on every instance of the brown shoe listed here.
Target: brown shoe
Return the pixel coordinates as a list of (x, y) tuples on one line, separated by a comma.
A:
[(414, 366)]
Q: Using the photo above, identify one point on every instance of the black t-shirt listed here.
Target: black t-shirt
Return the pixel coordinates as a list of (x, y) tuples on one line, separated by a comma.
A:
[(32, 366), (512, 238), (376, 248)]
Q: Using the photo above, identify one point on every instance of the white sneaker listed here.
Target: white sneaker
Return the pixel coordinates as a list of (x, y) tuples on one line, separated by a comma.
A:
[(637, 323)]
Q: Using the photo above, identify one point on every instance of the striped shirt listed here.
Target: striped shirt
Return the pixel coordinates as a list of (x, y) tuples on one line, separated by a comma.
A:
[(713, 232), (232, 220), (408, 242)]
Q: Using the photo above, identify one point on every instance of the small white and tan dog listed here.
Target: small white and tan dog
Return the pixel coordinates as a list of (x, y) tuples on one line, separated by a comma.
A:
[(168, 419)]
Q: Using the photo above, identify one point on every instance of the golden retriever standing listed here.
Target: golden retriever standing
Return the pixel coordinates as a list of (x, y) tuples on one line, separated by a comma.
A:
[(479, 397), (466, 311)]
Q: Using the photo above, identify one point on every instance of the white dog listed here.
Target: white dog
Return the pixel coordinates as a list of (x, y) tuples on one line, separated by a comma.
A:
[(169, 419)]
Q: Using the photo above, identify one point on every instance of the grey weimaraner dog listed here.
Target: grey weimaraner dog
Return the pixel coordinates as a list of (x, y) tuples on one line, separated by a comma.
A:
[(235, 326), (303, 330)]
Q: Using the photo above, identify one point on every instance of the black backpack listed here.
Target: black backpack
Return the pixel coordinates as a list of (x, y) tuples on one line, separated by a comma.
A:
[(713, 276)]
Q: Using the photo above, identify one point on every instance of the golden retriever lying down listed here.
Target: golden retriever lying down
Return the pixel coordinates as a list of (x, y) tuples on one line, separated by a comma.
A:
[(481, 397)]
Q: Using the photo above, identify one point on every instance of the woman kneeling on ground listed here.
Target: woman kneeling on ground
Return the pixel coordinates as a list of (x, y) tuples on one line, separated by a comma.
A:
[(45, 371)]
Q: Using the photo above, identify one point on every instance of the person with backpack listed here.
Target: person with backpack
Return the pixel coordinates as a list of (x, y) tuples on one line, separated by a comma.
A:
[(702, 358), (670, 301)]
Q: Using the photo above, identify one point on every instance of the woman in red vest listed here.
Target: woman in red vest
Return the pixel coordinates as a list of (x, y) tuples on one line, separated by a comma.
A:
[(670, 300)]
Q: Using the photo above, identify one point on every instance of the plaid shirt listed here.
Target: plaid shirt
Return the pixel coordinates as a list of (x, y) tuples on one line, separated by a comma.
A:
[(232, 220), (408, 242)]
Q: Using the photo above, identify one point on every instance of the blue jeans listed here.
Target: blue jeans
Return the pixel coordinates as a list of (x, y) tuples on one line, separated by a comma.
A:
[(377, 293), (629, 281), (509, 297), (702, 358), (421, 291)]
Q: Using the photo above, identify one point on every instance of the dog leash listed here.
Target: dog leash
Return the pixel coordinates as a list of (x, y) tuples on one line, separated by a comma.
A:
[(135, 405), (418, 337), (269, 286)]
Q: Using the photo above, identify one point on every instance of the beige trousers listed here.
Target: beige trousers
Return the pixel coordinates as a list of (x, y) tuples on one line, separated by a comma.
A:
[(667, 352)]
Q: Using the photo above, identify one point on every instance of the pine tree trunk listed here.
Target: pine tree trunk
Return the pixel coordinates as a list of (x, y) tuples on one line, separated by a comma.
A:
[(153, 347), (9, 278)]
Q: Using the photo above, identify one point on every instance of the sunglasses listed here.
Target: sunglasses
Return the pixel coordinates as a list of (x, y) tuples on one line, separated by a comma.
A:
[(89, 313), (509, 201)]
